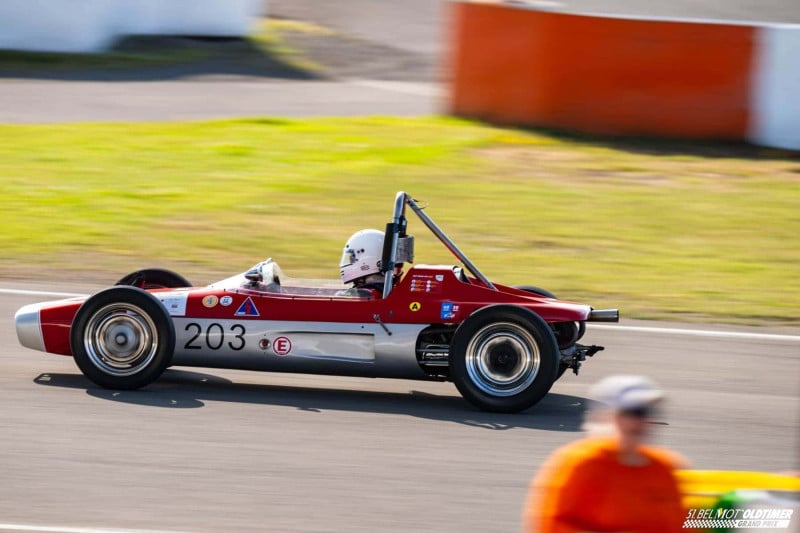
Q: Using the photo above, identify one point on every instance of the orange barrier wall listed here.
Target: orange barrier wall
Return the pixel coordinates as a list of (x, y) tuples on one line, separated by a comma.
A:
[(600, 75)]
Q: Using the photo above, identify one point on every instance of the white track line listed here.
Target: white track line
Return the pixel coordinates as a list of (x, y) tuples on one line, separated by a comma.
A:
[(62, 529), (703, 333), (402, 87), (41, 293), (634, 329)]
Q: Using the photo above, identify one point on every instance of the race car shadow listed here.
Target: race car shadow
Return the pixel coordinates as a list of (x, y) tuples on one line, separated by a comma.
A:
[(181, 389)]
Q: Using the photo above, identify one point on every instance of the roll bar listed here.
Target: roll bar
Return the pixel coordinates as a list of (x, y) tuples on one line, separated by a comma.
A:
[(396, 229)]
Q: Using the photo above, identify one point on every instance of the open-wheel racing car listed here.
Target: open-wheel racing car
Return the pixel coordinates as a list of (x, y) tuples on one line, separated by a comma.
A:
[(502, 346)]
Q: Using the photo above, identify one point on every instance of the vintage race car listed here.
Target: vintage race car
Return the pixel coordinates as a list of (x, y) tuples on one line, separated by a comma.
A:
[(502, 346)]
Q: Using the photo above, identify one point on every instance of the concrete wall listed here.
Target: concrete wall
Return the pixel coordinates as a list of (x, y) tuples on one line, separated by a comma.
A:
[(94, 25), (626, 76)]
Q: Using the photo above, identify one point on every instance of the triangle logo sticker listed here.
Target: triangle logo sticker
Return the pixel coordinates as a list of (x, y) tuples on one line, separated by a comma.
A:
[(248, 308)]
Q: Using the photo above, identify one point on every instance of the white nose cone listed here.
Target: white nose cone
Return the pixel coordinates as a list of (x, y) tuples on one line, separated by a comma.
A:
[(29, 329)]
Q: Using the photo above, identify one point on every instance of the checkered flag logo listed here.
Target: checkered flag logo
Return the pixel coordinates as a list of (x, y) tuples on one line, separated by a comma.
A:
[(709, 524)]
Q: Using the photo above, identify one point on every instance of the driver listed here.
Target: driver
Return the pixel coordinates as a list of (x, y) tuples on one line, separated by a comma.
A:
[(361, 264)]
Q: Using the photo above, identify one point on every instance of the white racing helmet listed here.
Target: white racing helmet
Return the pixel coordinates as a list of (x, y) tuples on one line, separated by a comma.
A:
[(361, 255)]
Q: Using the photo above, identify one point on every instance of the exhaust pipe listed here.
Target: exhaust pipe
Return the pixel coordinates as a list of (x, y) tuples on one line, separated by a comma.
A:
[(603, 315)]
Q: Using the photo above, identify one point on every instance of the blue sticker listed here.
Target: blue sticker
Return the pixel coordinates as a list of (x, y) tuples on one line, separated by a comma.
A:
[(248, 308), (447, 311)]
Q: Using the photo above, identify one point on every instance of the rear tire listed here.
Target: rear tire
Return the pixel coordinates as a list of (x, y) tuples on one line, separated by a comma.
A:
[(562, 368), (122, 338), (154, 278), (536, 290), (503, 358)]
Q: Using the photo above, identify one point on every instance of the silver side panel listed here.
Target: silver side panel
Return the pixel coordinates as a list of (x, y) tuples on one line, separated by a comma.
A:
[(29, 329), (302, 347)]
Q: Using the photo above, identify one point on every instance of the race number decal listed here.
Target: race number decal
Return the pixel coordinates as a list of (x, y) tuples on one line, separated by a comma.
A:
[(214, 337)]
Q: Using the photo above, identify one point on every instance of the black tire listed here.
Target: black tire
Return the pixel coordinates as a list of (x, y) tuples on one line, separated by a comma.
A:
[(548, 294), (154, 278), (503, 358), (536, 290), (122, 338)]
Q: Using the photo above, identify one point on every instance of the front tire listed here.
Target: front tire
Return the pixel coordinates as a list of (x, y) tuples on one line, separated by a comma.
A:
[(122, 338), (504, 358)]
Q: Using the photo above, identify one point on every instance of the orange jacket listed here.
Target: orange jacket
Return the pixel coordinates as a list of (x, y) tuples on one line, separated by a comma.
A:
[(584, 487)]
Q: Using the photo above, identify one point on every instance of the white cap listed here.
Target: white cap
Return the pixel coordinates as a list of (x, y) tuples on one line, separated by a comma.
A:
[(625, 392)]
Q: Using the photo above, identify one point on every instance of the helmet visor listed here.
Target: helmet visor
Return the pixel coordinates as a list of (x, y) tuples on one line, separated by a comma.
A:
[(348, 258)]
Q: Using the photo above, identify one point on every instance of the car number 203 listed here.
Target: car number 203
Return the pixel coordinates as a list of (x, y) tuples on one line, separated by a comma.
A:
[(214, 336)]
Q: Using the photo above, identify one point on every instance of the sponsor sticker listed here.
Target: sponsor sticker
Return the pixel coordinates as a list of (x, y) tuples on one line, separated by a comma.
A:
[(415, 306), (425, 283), (210, 301), (174, 302), (282, 346), (225, 301), (449, 311), (738, 518), (248, 308)]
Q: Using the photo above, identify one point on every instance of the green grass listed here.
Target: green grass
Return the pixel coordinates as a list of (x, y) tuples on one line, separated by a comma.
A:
[(680, 236)]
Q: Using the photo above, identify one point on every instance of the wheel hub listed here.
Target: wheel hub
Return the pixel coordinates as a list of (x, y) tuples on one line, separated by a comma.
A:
[(502, 359), (120, 339), (124, 339)]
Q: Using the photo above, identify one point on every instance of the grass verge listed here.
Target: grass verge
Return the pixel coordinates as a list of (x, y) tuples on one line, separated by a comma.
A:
[(127, 57), (677, 232)]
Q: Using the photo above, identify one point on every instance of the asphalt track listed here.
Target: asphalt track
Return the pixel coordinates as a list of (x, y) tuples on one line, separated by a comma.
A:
[(37, 101), (215, 450), (235, 451)]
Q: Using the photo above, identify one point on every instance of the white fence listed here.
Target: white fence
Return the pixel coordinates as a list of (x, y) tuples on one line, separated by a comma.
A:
[(94, 25)]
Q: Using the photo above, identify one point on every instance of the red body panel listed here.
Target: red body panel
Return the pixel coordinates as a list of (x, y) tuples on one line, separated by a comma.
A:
[(425, 295), (56, 322), (417, 299)]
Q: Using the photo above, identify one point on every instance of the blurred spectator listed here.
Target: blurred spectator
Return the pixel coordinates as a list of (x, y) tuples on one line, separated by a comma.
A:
[(610, 481)]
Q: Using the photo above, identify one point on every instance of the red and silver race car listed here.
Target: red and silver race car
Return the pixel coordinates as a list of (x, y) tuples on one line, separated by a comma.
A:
[(502, 346)]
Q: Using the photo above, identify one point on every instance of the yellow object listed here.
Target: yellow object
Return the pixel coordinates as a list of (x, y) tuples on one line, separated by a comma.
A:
[(703, 488)]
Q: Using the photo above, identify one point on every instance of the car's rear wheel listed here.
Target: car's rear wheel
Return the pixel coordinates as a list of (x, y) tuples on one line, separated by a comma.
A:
[(581, 326), (154, 278), (536, 290), (503, 358), (122, 338)]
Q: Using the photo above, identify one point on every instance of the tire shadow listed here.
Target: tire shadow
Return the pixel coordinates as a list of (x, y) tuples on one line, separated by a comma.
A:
[(182, 389)]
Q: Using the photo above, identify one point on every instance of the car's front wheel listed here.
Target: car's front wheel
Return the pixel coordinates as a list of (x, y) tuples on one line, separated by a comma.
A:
[(504, 358), (122, 338)]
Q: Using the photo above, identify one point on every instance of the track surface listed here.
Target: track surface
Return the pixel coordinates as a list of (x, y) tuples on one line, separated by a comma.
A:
[(235, 451), (53, 101), (225, 450)]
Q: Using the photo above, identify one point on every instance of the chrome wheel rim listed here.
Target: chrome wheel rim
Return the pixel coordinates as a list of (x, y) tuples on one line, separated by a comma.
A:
[(120, 339), (502, 359)]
